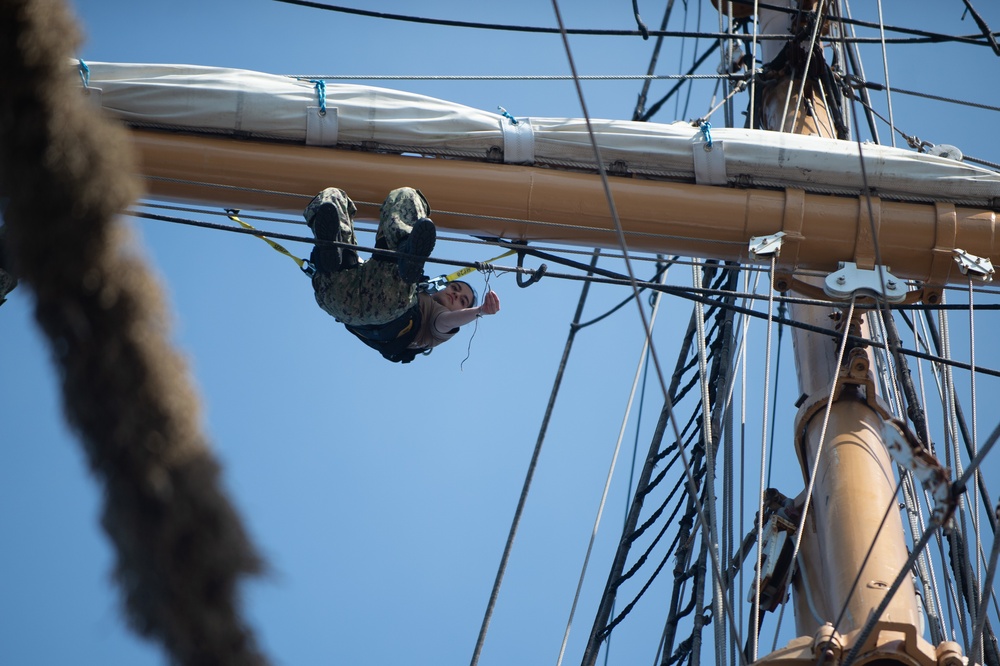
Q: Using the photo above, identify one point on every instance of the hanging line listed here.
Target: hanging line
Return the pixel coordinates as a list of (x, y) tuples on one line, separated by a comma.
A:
[(306, 266)]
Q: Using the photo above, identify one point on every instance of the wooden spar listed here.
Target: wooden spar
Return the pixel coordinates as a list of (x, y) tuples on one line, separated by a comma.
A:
[(915, 240)]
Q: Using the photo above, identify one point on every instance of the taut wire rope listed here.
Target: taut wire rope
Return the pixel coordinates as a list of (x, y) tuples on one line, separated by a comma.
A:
[(918, 341), (800, 528), (611, 470), (977, 637), (717, 571), (869, 625), (885, 71), (981, 613), (494, 594), (920, 36), (710, 456), (754, 635)]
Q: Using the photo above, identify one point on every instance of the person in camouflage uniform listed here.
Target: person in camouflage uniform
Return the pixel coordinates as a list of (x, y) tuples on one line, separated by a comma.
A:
[(379, 294)]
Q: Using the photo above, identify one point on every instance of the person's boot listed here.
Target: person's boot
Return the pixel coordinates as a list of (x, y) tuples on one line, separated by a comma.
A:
[(324, 221), (322, 217), (415, 250)]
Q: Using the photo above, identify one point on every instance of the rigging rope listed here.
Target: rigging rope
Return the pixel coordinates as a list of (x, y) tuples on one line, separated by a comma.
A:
[(885, 73), (717, 572), (801, 525), (614, 460), (763, 462), (872, 620), (922, 36), (494, 594), (977, 638), (609, 277)]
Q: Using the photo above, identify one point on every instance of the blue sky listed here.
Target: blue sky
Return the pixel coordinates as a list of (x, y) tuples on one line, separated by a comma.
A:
[(381, 495)]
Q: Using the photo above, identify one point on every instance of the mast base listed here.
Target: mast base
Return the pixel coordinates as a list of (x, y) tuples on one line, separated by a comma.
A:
[(890, 643)]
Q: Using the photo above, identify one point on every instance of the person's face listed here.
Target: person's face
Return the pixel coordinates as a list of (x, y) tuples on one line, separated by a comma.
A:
[(455, 296)]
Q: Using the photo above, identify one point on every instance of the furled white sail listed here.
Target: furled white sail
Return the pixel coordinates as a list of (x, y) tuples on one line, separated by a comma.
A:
[(265, 106)]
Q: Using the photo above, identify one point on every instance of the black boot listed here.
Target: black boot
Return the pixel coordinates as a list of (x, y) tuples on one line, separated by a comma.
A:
[(329, 258), (416, 248), (325, 225), (325, 222)]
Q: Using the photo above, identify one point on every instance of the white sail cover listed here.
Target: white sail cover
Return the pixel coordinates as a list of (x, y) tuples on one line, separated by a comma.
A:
[(253, 104)]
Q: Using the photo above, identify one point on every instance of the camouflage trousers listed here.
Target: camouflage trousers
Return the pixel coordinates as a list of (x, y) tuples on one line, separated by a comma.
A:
[(370, 292)]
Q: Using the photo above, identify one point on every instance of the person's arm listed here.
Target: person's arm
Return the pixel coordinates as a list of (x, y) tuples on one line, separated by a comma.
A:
[(447, 321)]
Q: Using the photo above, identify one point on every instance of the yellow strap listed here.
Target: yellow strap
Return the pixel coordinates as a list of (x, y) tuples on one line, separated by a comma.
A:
[(302, 263), (462, 272), (306, 266)]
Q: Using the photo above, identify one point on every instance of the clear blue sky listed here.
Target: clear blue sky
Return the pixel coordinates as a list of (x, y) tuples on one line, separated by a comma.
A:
[(380, 495)]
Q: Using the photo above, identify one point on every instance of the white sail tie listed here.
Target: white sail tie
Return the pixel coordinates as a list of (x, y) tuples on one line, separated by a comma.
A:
[(321, 128), (518, 141)]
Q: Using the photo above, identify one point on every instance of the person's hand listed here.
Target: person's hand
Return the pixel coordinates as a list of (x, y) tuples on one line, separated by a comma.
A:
[(491, 304)]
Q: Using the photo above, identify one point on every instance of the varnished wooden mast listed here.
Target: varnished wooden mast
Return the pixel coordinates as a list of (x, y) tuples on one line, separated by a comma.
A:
[(849, 557)]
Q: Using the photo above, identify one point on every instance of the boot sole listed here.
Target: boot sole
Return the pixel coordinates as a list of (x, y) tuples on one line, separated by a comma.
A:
[(419, 243), (326, 222)]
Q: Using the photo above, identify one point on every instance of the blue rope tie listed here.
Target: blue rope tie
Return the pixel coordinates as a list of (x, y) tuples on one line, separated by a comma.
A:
[(505, 114), (706, 129), (320, 94), (84, 73)]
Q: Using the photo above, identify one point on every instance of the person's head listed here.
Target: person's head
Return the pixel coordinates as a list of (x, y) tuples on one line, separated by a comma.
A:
[(456, 295)]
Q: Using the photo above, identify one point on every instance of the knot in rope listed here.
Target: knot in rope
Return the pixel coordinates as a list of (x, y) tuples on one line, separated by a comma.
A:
[(505, 114), (320, 86), (706, 130), (84, 73)]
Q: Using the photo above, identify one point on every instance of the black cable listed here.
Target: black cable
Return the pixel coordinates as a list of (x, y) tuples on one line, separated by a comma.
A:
[(925, 37), (688, 293)]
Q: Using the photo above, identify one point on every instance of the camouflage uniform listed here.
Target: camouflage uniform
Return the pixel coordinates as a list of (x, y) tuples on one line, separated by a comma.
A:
[(369, 292)]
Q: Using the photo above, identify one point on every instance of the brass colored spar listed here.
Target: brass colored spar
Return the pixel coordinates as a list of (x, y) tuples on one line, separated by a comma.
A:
[(536, 204)]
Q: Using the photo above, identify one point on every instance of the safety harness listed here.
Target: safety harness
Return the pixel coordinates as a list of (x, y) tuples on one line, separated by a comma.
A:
[(392, 340)]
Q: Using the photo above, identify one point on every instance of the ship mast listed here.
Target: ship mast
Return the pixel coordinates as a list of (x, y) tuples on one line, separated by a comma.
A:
[(848, 558), (852, 544)]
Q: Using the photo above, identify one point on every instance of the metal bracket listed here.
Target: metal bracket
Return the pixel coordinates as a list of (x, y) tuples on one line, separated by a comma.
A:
[(776, 561), (903, 446), (766, 245), (850, 279), (973, 266), (913, 456)]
